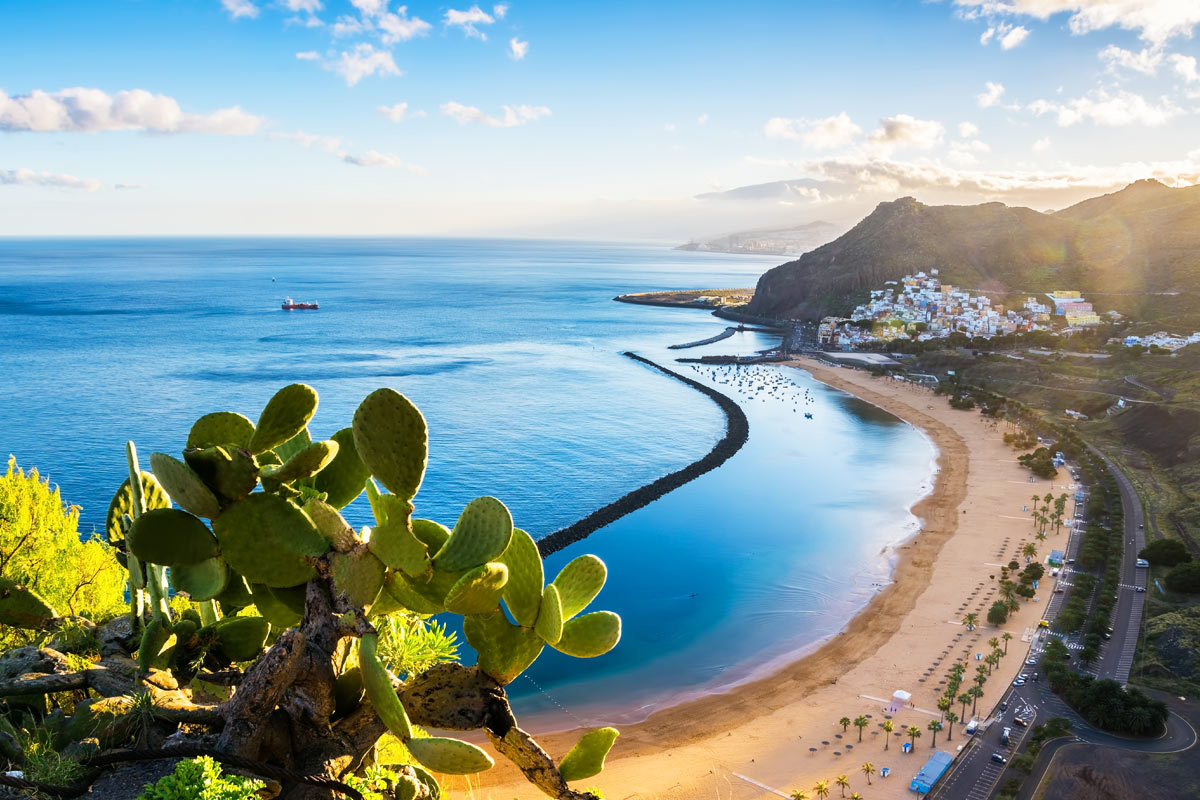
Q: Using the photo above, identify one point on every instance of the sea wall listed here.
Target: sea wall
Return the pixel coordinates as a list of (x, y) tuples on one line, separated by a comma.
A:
[(737, 430)]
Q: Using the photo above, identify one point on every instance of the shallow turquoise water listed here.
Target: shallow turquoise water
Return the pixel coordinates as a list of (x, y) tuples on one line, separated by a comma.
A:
[(512, 350)]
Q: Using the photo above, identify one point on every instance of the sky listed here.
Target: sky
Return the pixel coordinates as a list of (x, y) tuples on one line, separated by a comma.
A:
[(616, 120)]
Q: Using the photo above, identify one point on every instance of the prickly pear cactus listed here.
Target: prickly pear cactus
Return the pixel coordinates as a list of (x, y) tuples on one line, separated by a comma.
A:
[(586, 758)]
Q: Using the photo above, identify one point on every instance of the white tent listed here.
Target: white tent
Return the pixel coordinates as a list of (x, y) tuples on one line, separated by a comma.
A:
[(900, 699)]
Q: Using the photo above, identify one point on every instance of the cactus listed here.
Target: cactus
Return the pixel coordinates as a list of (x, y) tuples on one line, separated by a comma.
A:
[(268, 540), (523, 592), (171, 537), (344, 478), (478, 591), (286, 414), (153, 496), (449, 756), (220, 428), (348, 691), (505, 650), (391, 438), (550, 618), (306, 463), (483, 531), (235, 595), (241, 638), (358, 575), (396, 545), (276, 609), (330, 524), (20, 607), (154, 639), (586, 758), (579, 582), (201, 581), (590, 635), (403, 594), (184, 486), (232, 473), (378, 685)]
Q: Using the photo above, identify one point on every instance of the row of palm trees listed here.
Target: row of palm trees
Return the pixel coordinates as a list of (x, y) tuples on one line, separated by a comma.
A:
[(1043, 516), (821, 789)]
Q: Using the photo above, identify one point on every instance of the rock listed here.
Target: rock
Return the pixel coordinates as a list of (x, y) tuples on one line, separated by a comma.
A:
[(117, 637)]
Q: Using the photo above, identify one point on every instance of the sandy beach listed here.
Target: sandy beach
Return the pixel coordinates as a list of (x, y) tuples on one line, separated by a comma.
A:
[(781, 732)]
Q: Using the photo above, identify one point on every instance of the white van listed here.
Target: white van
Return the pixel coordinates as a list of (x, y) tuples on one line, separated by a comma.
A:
[(972, 726)]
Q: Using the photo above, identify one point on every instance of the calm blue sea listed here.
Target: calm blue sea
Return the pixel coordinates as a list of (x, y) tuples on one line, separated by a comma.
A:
[(512, 351)]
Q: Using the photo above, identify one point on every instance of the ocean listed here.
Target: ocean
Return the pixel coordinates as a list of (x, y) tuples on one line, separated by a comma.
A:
[(512, 349)]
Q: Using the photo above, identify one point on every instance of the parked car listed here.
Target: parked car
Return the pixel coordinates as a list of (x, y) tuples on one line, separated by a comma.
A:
[(1004, 734), (1139, 588), (1141, 562), (999, 759), (1018, 721), (1031, 661), (1019, 682)]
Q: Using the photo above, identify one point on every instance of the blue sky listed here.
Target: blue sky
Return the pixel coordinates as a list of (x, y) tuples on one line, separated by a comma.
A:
[(566, 119)]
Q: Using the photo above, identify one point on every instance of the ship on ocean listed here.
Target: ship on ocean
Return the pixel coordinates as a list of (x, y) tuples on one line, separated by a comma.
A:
[(291, 305)]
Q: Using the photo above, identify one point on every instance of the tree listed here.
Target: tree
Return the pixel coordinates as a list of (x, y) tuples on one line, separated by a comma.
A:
[(976, 692), (1007, 637), (843, 783), (971, 620), (821, 788), (951, 718), (799, 794), (934, 726), (868, 769), (860, 723), (845, 723), (963, 699), (993, 642), (1030, 549), (943, 704), (998, 613), (1166, 552), (914, 733), (888, 727), (1184, 577)]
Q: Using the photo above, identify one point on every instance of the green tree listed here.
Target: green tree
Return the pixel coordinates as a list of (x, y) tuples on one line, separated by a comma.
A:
[(951, 718), (821, 788), (934, 726), (1029, 550), (914, 733), (976, 692), (1166, 552), (970, 620), (964, 699), (888, 727), (998, 613), (845, 723), (1007, 637), (868, 770), (860, 723), (843, 783), (944, 704)]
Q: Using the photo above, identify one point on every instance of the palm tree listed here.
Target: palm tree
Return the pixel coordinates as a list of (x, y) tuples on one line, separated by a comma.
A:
[(860, 723), (993, 642), (914, 733), (1006, 637), (1041, 537), (951, 718), (799, 794), (976, 692), (843, 783), (944, 704), (822, 788), (971, 620), (964, 698), (1030, 549), (856, 796), (888, 727), (992, 661), (845, 723), (934, 726), (867, 769)]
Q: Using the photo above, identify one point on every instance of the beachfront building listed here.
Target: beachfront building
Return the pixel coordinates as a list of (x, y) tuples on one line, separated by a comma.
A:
[(1167, 341), (931, 773)]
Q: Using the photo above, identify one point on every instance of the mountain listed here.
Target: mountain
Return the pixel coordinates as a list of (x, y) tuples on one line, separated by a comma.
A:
[(1117, 249), (791, 240)]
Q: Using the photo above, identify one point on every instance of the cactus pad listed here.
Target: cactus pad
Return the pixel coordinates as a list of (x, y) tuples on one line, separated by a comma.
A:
[(276, 608), (219, 428), (306, 463), (378, 685), (505, 650), (433, 534), (21, 607), (171, 537), (241, 638), (348, 691), (268, 540), (590, 635), (293, 445), (154, 641), (236, 594), (579, 583), (403, 593), (286, 414), (449, 756), (330, 524), (550, 619), (154, 496), (483, 531), (232, 473), (392, 441), (203, 580), (184, 486), (586, 758), (358, 575), (523, 592), (395, 544), (343, 479), (479, 591)]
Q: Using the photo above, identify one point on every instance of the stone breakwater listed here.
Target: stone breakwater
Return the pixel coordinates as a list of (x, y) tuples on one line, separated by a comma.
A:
[(737, 430)]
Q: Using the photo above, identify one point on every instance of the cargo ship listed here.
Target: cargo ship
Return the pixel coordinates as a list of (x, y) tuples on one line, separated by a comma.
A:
[(290, 305)]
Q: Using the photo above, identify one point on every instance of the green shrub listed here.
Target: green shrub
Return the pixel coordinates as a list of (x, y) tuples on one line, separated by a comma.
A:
[(1166, 552), (998, 613), (201, 779), (1184, 578)]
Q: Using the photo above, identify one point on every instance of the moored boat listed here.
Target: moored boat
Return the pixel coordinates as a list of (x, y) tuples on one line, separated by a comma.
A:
[(291, 305)]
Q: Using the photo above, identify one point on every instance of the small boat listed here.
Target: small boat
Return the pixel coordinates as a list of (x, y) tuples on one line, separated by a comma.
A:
[(290, 305), (807, 415)]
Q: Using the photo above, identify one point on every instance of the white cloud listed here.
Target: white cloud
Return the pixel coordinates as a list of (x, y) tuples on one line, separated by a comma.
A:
[(499, 10), (987, 35), (992, 96), (329, 144), (349, 26), (363, 61), (1041, 145), (1185, 67), (1111, 110), (904, 130), (1145, 61), (819, 134), (92, 111), (370, 8), (967, 129), (1154, 20), (399, 112), (467, 20), (967, 151), (399, 27), (305, 6), (702, 119), (517, 49), (513, 115), (1013, 38), (373, 158), (309, 55), (56, 180), (240, 8)]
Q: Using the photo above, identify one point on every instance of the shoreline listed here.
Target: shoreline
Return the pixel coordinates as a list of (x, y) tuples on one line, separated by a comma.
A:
[(704, 746)]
